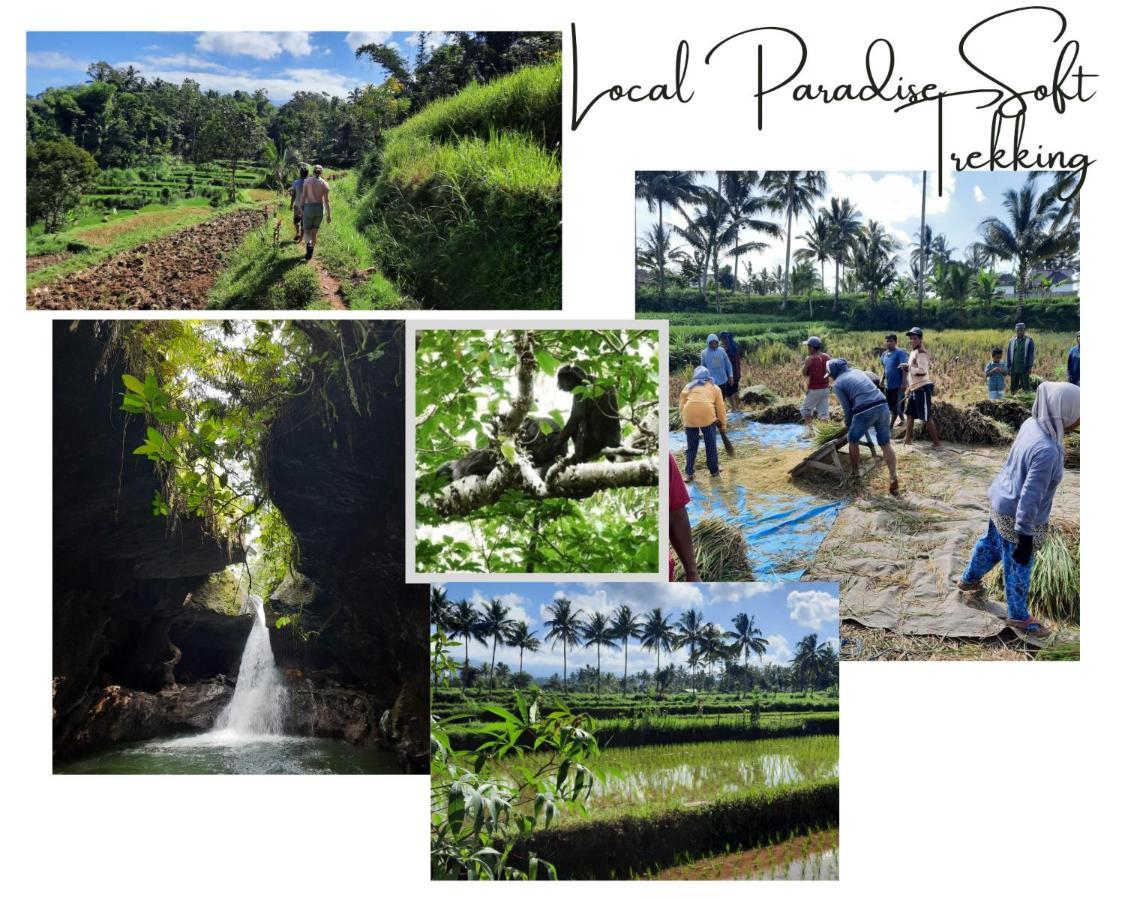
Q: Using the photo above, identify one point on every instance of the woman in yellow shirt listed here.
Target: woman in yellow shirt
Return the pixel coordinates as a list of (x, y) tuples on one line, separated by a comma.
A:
[(701, 410)]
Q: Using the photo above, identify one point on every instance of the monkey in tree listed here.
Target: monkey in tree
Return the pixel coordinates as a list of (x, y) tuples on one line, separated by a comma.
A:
[(594, 422), (475, 462), (541, 441)]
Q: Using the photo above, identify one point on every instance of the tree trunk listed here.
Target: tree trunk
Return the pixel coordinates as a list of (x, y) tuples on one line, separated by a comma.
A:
[(788, 243), (922, 260), (660, 261), (521, 660), (625, 677), (492, 668), (566, 689), (598, 688), (836, 288)]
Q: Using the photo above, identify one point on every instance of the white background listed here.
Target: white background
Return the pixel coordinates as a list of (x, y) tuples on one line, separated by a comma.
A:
[(975, 778)]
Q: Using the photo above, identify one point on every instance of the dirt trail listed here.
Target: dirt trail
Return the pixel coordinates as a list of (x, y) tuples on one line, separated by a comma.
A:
[(329, 286), (173, 272)]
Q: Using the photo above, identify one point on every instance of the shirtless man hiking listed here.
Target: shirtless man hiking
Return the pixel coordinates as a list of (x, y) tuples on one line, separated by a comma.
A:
[(315, 207)]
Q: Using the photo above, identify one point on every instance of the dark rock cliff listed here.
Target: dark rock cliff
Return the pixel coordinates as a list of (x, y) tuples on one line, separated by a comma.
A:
[(333, 465)]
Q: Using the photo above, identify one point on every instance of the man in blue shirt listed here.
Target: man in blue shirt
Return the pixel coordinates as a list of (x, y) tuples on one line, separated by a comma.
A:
[(893, 359), (1072, 362), (865, 407)]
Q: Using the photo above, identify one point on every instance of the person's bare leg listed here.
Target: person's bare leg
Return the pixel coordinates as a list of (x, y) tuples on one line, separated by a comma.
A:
[(909, 437), (310, 236), (931, 430), (853, 455), (892, 465)]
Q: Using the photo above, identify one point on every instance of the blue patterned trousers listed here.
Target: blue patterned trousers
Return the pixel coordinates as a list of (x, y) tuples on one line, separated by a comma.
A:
[(992, 549)]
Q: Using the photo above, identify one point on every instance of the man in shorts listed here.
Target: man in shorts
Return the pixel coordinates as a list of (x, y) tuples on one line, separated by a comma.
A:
[(920, 389), (815, 370), (316, 208), (295, 203), (865, 408)]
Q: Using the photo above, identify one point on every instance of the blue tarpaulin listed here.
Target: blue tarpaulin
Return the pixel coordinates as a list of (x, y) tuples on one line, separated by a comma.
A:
[(747, 434)]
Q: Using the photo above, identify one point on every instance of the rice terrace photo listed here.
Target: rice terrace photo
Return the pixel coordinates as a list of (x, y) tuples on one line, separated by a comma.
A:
[(634, 731), (896, 374), (294, 170)]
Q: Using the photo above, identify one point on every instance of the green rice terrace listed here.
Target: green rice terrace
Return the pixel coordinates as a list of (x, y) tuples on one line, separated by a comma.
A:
[(683, 785), (445, 188)]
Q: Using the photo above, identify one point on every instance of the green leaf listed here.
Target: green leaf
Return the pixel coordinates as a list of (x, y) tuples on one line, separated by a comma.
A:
[(133, 384)]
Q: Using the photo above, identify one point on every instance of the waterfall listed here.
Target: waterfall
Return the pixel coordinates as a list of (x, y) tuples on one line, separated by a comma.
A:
[(259, 695)]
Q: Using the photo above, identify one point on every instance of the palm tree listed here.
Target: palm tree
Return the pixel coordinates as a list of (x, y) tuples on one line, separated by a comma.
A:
[(987, 287), (742, 193), (873, 256), (624, 625), (747, 639), (658, 189), (659, 633), (793, 193), (804, 665), (464, 623), (1025, 237), (828, 662), (564, 626), (689, 632), (598, 632), (712, 646), (440, 608), (657, 249), (495, 625), (844, 224), (523, 638), (818, 246), (1065, 184)]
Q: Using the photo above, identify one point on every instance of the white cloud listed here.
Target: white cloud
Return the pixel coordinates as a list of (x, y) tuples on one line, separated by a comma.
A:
[(49, 59), (890, 199), (778, 651), (256, 44), (179, 61), (978, 194), (736, 592), (356, 39), (810, 608), (515, 603), (434, 39), (279, 87)]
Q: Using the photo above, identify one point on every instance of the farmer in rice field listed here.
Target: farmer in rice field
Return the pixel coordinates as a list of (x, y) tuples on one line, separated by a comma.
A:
[(865, 407), (315, 207), (815, 370), (1021, 358), (730, 389), (1072, 362), (1021, 497), (718, 364), (295, 203), (701, 410), (994, 371), (920, 389), (679, 526), (893, 357)]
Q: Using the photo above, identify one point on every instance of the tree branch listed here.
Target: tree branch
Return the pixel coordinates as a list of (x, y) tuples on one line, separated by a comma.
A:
[(525, 379), (572, 482)]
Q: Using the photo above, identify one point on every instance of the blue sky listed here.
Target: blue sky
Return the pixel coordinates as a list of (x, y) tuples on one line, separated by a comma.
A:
[(785, 612), (281, 62), (895, 200)]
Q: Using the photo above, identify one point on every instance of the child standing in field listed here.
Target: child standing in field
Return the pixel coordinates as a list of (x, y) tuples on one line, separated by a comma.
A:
[(994, 371)]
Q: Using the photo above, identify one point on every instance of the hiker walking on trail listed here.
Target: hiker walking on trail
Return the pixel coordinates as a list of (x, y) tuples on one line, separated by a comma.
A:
[(994, 371), (1021, 497), (920, 389), (295, 203), (315, 206), (815, 370), (893, 359), (714, 358), (730, 389), (1072, 362), (1021, 358), (865, 407), (701, 410)]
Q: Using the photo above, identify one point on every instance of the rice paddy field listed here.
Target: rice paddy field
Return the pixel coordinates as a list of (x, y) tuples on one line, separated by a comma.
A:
[(751, 792)]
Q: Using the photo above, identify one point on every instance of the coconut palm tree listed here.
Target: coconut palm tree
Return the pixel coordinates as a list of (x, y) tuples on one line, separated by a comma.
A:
[(1065, 188), (793, 193), (804, 665), (874, 259), (598, 632), (625, 624), (689, 632), (844, 226), (656, 249), (747, 203), (465, 623), (658, 189), (818, 246), (495, 626), (1024, 236), (440, 608), (564, 626), (657, 632), (828, 661), (712, 646), (521, 637), (747, 639)]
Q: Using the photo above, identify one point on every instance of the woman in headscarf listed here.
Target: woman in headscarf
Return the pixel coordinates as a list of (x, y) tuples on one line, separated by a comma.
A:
[(701, 409), (1021, 497), (714, 358), (730, 389)]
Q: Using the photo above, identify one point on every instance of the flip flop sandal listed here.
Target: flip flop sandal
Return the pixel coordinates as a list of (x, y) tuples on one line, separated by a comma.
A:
[(968, 587), (1029, 627), (893, 487)]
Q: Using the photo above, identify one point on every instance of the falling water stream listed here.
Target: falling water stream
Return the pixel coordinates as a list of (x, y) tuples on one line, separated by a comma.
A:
[(248, 735)]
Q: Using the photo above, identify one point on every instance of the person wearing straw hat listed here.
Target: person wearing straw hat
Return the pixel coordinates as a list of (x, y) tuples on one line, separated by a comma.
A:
[(865, 408), (1021, 497), (815, 371), (701, 410)]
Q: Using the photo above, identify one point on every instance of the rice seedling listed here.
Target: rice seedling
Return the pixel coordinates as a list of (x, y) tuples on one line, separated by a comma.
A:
[(826, 432), (675, 423), (759, 394), (720, 551), (1054, 591), (1010, 411), (967, 425), (778, 414)]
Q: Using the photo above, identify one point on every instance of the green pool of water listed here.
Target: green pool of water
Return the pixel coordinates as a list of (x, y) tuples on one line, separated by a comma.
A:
[(209, 754)]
